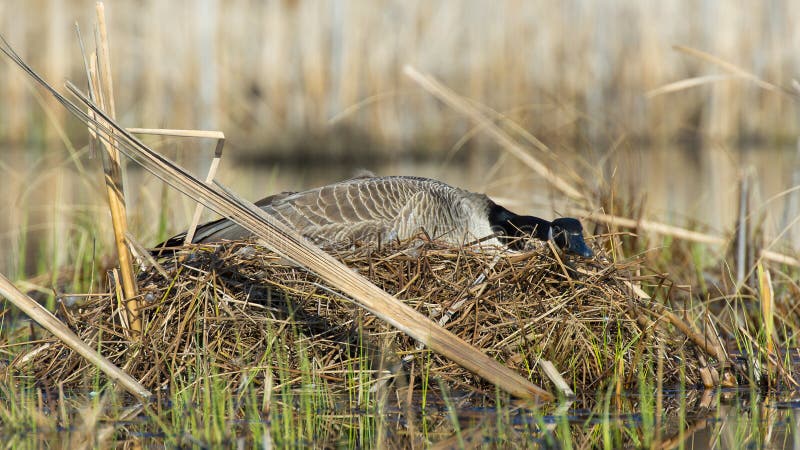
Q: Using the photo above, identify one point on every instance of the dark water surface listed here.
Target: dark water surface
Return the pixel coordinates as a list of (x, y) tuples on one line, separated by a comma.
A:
[(50, 198), (722, 419)]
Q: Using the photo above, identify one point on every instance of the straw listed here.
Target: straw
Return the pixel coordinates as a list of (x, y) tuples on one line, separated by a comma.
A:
[(46, 319)]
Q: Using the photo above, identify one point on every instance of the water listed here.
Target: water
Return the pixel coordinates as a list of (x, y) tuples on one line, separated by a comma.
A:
[(55, 200), (721, 419)]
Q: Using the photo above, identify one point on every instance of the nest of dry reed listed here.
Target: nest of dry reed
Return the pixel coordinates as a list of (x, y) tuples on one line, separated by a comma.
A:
[(238, 308)]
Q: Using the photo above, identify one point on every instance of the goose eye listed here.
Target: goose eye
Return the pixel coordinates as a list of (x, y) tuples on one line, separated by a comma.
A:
[(559, 236)]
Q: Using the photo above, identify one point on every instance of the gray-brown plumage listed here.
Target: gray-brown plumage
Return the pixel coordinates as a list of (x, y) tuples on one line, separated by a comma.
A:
[(373, 209)]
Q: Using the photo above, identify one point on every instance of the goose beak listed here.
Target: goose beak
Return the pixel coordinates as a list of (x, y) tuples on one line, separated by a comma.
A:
[(577, 246)]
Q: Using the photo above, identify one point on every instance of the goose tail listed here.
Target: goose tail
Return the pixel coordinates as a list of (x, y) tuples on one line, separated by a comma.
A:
[(202, 234)]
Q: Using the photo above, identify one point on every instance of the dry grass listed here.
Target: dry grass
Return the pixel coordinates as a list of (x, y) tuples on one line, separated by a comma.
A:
[(239, 308)]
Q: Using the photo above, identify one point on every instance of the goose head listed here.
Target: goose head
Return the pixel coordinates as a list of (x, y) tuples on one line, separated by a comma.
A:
[(565, 232)]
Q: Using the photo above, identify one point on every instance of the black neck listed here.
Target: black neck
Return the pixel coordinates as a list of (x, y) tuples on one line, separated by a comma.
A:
[(512, 226)]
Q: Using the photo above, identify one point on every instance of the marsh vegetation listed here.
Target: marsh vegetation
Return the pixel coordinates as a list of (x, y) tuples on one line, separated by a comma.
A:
[(683, 330)]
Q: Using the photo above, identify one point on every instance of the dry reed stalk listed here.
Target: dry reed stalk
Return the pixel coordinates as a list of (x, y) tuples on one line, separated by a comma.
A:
[(212, 170), (640, 293), (743, 229), (652, 226), (555, 376), (766, 297), (688, 83), (30, 355), (708, 379), (290, 245), (677, 232), (712, 335), (736, 70), (103, 92), (779, 258), (49, 322), (453, 100)]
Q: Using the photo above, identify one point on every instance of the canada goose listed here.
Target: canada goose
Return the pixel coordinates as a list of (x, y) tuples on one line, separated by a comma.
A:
[(397, 207)]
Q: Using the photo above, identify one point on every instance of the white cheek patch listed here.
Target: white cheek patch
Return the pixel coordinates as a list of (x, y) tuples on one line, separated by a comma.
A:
[(550, 234)]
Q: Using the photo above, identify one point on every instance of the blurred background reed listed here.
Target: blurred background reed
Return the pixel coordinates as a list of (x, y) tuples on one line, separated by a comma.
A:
[(282, 76), (309, 91)]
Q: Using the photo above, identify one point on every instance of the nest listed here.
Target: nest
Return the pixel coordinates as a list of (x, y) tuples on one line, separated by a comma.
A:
[(236, 309)]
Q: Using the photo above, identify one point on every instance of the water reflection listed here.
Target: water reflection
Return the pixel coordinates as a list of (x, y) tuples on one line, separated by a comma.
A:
[(49, 200), (699, 420)]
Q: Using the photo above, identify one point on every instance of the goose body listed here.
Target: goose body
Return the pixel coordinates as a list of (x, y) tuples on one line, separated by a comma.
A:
[(383, 209)]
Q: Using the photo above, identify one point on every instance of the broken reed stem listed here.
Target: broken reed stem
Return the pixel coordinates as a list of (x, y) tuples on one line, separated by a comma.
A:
[(203, 134), (554, 375), (779, 258), (49, 322), (144, 254), (212, 170), (103, 92)]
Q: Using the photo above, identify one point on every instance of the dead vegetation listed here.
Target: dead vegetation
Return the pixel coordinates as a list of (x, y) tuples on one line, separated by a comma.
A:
[(237, 309)]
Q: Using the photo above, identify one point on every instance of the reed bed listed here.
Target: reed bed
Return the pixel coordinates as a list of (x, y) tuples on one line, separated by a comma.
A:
[(244, 310), (553, 67)]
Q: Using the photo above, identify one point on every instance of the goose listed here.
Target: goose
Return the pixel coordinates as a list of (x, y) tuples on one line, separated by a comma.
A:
[(384, 209)]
